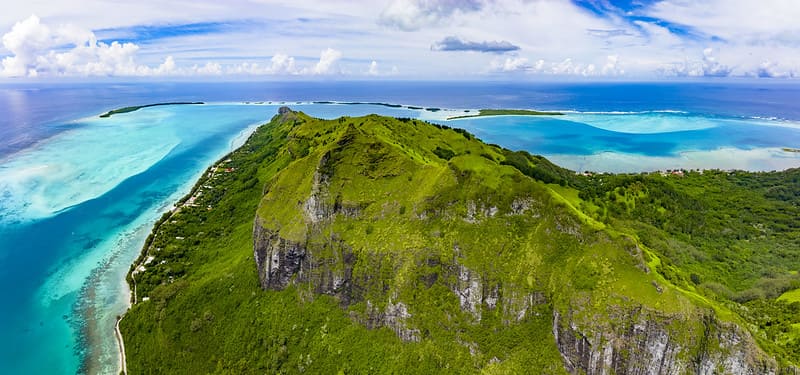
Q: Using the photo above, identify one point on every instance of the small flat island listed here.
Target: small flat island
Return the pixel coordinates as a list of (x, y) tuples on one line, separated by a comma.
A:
[(499, 112), (138, 107)]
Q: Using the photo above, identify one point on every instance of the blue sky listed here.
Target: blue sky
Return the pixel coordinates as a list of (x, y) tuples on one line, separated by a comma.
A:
[(401, 39)]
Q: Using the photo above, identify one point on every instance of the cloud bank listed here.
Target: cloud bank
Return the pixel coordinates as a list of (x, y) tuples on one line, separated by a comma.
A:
[(340, 38), (39, 49)]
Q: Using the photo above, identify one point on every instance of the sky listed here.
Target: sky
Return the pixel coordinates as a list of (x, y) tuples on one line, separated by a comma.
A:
[(400, 39)]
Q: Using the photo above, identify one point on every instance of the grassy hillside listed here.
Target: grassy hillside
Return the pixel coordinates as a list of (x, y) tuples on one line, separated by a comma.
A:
[(479, 256), (731, 236)]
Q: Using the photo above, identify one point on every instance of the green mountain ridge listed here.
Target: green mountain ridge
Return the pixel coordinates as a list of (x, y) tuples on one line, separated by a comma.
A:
[(384, 245)]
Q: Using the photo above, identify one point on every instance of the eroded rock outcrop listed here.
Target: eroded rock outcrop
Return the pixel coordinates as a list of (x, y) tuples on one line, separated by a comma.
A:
[(281, 262), (641, 342)]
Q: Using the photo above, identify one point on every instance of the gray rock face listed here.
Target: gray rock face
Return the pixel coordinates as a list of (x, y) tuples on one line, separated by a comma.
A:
[(476, 294), (469, 290), (315, 207), (278, 261), (642, 344), (281, 262), (394, 316)]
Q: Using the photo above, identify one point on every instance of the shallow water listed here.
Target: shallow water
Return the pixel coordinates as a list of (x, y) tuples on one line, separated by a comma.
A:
[(80, 194), (645, 142), (90, 219)]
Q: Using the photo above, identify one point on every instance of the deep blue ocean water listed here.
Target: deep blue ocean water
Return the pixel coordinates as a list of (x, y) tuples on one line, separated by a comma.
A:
[(78, 194)]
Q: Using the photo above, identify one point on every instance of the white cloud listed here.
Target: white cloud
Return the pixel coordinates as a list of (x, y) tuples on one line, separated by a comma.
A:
[(38, 50), (712, 67), (66, 50), (771, 69), (328, 62), (510, 64), (745, 38), (566, 67), (658, 35), (706, 66), (210, 68), (167, 67), (411, 15), (736, 37), (738, 21), (23, 41), (611, 67), (373, 68), (282, 64)]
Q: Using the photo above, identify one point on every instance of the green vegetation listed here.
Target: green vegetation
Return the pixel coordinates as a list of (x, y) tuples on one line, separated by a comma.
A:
[(138, 107), (730, 236), (423, 215), (500, 112)]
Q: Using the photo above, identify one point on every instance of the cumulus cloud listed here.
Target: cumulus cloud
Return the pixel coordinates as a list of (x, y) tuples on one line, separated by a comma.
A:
[(671, 37), (452, 43), (712, 67), (373, 68), (282, 64), (612, 68), (411, 15), (565, 67), (707, 66), (510, 64), (328, 62), (38, 49), (771, 69)]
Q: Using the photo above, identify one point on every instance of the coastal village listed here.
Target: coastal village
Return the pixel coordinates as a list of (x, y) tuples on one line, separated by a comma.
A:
[(196, 199)]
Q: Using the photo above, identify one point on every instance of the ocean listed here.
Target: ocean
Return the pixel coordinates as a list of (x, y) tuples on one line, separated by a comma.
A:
[(80, 193)]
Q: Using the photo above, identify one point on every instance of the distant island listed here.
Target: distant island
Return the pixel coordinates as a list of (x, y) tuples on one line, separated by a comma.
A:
[(515, 112), (138, 107)]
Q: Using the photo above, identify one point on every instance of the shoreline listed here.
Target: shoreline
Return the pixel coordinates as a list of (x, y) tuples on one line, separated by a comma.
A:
[(236, 142), (756, 160), (123, 363)]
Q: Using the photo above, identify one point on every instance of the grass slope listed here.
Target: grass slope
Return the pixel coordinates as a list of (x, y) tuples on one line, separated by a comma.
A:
[(426, 195)]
